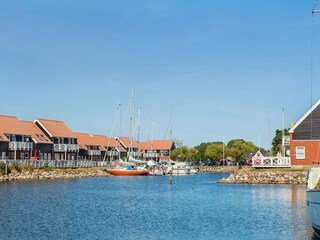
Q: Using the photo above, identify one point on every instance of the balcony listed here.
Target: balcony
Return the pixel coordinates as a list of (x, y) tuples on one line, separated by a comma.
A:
[(94, 152), (24, 146), (152, 155), (134, 154), (112, 153), (65, 147)]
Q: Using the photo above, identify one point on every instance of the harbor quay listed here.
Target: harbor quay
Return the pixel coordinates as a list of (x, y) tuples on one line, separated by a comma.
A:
[(243, 175)]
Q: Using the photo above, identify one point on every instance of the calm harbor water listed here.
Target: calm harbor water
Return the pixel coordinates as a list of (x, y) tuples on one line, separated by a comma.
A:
[(194, 207)]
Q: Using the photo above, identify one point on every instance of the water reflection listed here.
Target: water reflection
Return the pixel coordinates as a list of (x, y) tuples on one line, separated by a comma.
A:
[(299, 212), (194, 207)]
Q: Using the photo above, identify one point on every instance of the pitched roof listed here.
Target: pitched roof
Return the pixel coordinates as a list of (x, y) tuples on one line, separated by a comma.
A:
[(157, 145), (12, 125), (86, 139), (126, 140), (36, 134), (55, 128), (304, 116)]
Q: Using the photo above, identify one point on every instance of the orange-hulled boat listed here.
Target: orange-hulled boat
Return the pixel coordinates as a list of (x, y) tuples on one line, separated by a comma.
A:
[(128, 172)]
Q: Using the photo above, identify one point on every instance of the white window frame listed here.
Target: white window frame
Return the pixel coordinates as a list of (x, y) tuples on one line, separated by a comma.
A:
[(301, 152)]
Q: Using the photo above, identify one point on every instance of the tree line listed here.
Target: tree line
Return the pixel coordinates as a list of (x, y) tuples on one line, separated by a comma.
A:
[(235, 148)]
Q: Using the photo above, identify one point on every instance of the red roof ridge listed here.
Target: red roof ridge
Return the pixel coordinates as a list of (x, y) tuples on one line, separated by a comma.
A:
[(82, 133), (26, 121), (49, 120), (8, 116)]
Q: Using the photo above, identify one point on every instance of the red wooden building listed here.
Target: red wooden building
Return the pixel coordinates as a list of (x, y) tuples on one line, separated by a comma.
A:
[(305, 138)]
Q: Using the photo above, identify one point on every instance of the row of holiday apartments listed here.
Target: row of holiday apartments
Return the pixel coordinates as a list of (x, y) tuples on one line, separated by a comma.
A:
[(53, 140), (50, 139)]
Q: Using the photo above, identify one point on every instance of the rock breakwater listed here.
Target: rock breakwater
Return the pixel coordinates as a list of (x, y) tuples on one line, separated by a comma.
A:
[(54, 174), (266, 177), (218, 169)]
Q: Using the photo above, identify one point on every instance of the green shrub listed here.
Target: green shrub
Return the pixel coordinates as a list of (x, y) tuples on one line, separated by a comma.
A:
[(27, 168), (15, 166), (46, 166), (2, 168)]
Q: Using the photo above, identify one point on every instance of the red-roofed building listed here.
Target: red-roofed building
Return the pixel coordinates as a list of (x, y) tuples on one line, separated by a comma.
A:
[(22, 140), (97, 147), (65, 145), (305, 138), (129, 146), (157, 149)]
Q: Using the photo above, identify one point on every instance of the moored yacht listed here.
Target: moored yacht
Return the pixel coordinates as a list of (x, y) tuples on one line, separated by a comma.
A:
[(178, 168), (129, 171), (313, 198)]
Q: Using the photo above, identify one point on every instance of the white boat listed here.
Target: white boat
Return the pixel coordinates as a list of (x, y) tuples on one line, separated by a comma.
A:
[(179, 168), (313, 198)]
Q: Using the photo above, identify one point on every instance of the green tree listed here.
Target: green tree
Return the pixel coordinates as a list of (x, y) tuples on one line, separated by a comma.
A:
[(180, 153), (193, 154), (238, 147), (277, 141), (231, 143), (202, 149), (214, 151)]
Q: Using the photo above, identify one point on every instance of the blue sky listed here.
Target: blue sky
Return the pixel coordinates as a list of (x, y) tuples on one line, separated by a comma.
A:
[(221, 65)]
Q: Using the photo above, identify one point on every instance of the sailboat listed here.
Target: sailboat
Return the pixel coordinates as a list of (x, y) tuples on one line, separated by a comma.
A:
[(313, 187), (129, 168), (129, 171)]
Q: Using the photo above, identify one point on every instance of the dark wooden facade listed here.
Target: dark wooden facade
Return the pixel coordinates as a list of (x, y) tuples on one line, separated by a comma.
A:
[(309, 128), (305, 138)]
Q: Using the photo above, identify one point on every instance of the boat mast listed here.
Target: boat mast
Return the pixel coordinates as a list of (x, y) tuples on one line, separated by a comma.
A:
[(223, 147), (131, 127), (283, 146), (138, 120), (171, 123), (120, 131), (152, 121), (269, 134), (314, 11)]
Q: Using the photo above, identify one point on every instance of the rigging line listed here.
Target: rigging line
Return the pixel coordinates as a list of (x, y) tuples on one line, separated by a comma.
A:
[(136, 126), (125, 115), (169, 125), (114, 122)]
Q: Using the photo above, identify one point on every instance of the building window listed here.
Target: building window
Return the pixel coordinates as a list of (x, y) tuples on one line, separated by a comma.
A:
[(300, 153)]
